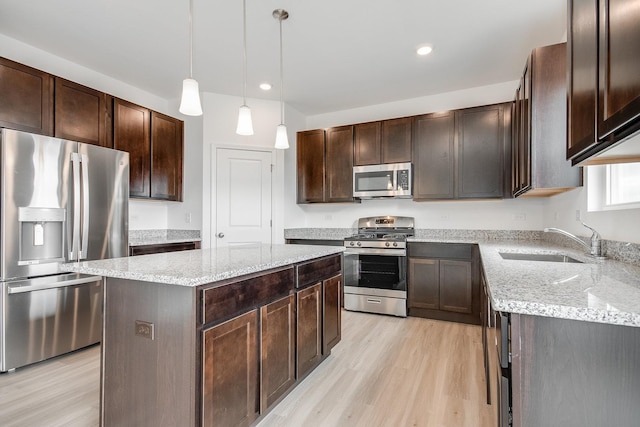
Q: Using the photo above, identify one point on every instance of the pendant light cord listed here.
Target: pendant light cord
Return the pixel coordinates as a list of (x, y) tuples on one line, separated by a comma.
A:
[(244, 52), (191, 39), (281, 78)]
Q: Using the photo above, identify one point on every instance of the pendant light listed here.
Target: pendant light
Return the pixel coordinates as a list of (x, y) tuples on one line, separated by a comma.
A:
[(190, 102), (245, 125), (282, 142)]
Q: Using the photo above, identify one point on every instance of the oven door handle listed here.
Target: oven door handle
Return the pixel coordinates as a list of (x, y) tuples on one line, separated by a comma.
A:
[(375, 251)]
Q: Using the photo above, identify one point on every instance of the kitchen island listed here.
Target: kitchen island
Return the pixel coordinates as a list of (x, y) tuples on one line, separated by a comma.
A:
[(213, 337)]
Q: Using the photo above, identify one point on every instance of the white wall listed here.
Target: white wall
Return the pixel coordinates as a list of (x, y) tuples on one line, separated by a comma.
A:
[(219, 130)]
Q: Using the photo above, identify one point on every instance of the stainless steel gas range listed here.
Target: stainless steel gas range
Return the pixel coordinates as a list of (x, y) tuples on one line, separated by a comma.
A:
[(375, 265)]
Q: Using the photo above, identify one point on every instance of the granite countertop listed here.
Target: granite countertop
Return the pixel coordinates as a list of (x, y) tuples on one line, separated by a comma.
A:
[(202, 266), (160, 237), (598, 291)]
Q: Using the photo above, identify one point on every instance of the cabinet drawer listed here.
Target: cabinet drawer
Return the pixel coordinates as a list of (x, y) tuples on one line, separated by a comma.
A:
[(441, 250), (314, 271), (234, 298)]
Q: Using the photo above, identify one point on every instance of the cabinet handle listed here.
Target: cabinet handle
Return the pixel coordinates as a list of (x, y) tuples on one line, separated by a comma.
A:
[(374, 301)]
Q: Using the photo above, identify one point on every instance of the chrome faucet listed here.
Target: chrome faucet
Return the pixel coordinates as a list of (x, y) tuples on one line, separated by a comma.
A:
[(595, 249)]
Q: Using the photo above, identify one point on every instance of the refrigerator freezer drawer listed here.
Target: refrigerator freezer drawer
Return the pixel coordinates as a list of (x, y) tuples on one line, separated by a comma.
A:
[(43, 320)]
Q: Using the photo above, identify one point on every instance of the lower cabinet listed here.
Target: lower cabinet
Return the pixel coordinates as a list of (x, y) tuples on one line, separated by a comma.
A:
[(230, 372), (331, 320), (309, 343), (443, 282)]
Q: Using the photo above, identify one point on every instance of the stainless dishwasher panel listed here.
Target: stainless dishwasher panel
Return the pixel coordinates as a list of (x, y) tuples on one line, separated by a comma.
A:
[(48, 316)]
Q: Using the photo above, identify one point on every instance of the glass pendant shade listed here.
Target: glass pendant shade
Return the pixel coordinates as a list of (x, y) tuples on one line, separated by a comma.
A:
[(190, 102), (245, 125), (282, 142)]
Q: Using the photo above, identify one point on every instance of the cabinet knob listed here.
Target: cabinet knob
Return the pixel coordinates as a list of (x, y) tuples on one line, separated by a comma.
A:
[(220, 235)]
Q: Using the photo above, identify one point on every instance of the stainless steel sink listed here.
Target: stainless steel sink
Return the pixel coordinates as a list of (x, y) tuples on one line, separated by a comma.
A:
[(538, 257)]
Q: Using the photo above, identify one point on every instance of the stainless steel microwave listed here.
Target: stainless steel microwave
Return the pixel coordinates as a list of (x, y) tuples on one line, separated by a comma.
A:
[(388, 180)]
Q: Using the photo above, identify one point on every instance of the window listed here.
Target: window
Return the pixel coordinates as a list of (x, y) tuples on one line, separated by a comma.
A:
[(613, 187)]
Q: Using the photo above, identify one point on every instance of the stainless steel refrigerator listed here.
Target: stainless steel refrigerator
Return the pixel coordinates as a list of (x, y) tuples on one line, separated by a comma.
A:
[(60, 201)]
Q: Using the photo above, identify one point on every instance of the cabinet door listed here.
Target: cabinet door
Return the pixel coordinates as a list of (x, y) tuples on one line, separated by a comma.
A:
[(166, 157), (515, 147), (331, 318), (366, 140), (131, 127), (310, 162), (424, 283), (82, 114), (309, 333), (396, 140), (433, 156), (480, 152), (456, 290), (27, 98), (619, 86), (582, 82), (524, 141), (339, 164), (277, 350), (230, 372)]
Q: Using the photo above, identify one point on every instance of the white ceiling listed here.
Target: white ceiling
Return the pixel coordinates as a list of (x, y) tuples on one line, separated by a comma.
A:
[(338, 54)]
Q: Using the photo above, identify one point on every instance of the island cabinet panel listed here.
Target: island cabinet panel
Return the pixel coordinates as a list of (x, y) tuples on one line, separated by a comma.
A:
[(230, 376), (366, 144), (131, 130), (82, 114), (309, 333), (331, 316), (313, 271), (277, 349), (396, 140), (433, 156), (221, 302), (27, 98)]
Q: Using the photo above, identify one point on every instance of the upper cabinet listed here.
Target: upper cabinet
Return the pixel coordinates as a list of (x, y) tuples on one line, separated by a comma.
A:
[(155, 145), (325, 165), (82, 114), (539, 167), (461, 154), (27, 98), (387, 141), (603, 78)]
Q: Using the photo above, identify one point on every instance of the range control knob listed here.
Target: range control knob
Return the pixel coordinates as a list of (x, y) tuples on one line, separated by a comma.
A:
[(359, 244), (395, 243), (351, 243), (387, 244)]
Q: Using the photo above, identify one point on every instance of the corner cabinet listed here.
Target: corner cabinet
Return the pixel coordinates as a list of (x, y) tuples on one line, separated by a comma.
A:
[(443, 282), (538, 164), (155, 146), (603, 40), (461, 154), (27, 98), (325, 165)]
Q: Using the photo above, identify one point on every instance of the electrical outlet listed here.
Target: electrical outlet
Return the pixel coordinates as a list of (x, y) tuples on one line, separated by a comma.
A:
[(328, 217), (145, 329), (578, 215), (520, 217), (556, 216), (187, 218)]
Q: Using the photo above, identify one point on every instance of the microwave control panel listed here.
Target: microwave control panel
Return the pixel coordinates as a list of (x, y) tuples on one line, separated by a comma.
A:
[(403, 179)]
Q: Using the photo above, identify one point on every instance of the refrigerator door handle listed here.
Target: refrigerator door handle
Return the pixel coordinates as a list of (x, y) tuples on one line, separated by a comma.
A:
[(75, 167), (84, 164), (42, 286)]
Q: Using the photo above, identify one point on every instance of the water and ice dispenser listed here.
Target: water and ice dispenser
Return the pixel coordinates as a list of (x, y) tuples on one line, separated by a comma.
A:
[(42, 232)]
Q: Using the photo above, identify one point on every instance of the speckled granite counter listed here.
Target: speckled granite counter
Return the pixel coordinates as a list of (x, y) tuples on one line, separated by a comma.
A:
[(159, 237), (198, 267), (598, 291)]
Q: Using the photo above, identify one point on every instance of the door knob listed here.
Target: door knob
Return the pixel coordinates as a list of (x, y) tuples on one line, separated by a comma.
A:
[(220, 235)]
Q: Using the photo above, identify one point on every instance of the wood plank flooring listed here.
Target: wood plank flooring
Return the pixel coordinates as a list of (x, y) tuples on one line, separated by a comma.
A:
[(386, 371)]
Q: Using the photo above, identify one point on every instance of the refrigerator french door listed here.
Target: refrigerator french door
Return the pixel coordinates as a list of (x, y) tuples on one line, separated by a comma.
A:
[(60, 201)]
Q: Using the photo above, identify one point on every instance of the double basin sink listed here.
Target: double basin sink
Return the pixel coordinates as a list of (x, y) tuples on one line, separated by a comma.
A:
[(538, 257)]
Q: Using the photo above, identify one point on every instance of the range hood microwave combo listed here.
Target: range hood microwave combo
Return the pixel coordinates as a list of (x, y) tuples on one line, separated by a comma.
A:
[(382, 181)]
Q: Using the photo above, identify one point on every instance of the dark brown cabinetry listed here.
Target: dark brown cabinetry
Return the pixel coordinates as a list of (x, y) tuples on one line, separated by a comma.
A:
[(538, 165), (82, 114), (27, 98), (443, 282), (309, 321), (388, 141), (155, 146), (331, 313), (230, 372), (162, 248), (604, 89), (461, 154), (325, 165), (277, 349)]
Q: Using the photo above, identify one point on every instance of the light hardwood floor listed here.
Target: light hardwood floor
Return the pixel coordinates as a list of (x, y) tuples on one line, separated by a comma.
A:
[(386, 371)]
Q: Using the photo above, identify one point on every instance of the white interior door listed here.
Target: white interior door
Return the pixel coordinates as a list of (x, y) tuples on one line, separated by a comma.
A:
[(243, 197)]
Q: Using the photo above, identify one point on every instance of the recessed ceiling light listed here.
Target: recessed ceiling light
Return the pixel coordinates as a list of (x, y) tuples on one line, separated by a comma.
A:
[(424, 50), (265, 86)]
